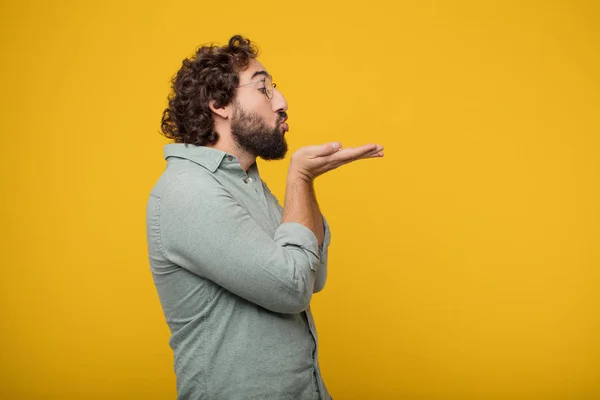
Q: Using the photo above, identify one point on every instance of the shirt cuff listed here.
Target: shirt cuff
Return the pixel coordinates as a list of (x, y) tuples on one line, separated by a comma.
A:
[(326, 238), (298, 235)]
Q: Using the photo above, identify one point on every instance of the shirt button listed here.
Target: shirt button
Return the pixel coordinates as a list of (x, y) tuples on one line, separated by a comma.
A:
[(230, 158), (245, 180)]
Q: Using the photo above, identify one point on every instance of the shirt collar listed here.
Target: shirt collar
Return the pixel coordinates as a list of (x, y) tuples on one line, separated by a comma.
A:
[(207, 157)]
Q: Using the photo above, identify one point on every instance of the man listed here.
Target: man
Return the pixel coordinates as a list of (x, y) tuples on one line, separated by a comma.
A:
[(234, 270)]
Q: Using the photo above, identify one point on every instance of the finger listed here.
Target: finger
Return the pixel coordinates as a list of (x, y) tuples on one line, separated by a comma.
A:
[(350, 153), (367, 148), (375, 153), (326, 149), (347, 160)]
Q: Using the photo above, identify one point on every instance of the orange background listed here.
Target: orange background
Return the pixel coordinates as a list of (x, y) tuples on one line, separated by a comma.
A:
[(464, 265)]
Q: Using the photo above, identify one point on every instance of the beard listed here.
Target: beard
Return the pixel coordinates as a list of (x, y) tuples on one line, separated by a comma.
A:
[(253, 135)]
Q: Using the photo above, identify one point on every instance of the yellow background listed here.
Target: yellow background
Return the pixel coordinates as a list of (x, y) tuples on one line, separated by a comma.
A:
[(464, 265)]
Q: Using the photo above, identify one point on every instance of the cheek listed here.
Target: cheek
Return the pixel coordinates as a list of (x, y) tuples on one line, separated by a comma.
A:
[(261, 107), (268, 114)]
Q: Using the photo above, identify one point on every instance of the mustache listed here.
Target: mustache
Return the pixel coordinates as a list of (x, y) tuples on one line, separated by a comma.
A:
[(281, 117)]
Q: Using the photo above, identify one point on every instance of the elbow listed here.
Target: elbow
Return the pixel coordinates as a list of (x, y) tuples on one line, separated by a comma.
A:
[(292, 299), (295, 292), (295, 303), (319, 286), (321, 278)]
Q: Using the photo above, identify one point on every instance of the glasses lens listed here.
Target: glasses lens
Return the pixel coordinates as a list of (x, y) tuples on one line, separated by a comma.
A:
[(269, 87)]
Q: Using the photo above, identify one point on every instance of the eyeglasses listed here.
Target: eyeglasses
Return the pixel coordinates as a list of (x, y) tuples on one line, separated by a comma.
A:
[(267, 89)]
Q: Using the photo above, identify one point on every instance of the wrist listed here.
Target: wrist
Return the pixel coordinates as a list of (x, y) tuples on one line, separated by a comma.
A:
[(298, 177)]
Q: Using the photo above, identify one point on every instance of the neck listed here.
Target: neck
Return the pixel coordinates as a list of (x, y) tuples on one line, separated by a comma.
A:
[(228, 145)]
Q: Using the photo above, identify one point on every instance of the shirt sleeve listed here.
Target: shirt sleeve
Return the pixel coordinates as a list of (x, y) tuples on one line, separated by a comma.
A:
[(205, 230), (321, 276)]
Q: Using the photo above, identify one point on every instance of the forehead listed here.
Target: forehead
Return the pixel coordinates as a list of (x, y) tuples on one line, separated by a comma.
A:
[(253, 70)]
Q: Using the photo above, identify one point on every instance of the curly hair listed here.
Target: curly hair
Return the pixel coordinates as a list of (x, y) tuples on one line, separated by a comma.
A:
[(211, 74)]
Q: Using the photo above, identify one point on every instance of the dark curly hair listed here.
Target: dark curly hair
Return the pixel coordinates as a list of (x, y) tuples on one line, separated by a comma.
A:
[(211, 74)]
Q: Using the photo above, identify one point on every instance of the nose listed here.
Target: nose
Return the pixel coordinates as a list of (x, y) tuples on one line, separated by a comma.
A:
[(279, 102)]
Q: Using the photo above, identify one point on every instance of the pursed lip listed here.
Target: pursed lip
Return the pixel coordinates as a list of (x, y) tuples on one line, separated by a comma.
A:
[(284, 125)]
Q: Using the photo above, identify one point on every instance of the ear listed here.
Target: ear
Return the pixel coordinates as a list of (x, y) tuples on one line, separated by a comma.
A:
[(222, 112)]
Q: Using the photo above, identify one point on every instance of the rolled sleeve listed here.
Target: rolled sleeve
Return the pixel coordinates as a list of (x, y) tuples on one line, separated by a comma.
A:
[(321, 277), (321, 267), (293, 234)]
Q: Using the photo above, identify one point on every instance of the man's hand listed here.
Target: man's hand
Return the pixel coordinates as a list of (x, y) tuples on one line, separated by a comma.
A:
[(309, 162)]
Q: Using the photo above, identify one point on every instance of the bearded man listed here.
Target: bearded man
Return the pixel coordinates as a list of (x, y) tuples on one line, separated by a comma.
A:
[(235, 271)]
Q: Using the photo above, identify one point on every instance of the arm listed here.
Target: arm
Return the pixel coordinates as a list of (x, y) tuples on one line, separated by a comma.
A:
[(321, 273), (310, 162), (301, 206), (206, 231), (298, 205)]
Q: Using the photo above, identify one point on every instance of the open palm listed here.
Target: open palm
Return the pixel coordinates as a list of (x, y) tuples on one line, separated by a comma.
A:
[(312, 161)]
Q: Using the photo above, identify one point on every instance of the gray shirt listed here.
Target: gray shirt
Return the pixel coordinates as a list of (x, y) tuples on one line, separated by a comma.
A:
[(234, 282)]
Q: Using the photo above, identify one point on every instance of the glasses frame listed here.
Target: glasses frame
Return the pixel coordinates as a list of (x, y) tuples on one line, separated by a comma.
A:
[(267, 92)]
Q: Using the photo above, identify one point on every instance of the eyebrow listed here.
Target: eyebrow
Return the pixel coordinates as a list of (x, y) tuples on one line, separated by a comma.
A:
[(260, 73)]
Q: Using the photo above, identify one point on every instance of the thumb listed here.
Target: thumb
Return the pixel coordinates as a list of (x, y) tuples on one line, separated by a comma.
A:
[(327, 149)]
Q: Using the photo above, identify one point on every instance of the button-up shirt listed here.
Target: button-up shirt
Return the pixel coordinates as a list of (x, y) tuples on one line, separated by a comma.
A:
[(234, 282)]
